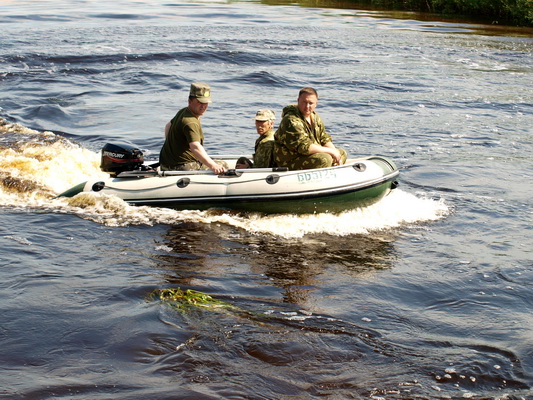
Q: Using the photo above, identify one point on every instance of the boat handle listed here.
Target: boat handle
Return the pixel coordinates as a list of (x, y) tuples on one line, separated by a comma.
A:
[(272, 179), (183, 183), (97, 186), (231, 173), (359, 167)]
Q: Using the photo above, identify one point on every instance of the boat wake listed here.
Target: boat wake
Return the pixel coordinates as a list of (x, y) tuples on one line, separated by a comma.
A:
[(37, 166)]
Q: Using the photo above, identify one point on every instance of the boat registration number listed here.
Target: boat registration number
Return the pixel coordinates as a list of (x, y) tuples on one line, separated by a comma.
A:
[(315, 176)]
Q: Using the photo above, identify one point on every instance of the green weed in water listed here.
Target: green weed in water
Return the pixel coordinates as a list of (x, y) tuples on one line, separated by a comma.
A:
[(189, 300), (184, 300)]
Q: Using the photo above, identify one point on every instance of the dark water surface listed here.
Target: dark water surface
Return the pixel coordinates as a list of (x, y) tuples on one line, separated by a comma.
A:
[(426, 295)]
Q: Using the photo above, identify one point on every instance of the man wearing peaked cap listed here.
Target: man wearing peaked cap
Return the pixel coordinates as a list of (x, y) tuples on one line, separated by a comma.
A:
[(264, 145), (184, 138)]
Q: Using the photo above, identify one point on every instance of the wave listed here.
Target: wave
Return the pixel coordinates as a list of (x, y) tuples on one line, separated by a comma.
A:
[(110, 58)]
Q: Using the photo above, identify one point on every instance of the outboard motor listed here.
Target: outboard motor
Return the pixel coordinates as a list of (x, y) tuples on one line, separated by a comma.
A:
[(116, 159)]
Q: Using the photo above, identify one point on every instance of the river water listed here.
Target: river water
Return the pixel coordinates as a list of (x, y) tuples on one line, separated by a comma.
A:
[(426, 295)]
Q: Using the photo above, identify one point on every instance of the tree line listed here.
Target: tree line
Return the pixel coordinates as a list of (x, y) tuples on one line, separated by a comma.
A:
[(503, 12)]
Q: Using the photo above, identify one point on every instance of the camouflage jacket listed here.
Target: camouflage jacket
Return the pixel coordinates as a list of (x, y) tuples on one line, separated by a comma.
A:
[(264, 150), (295, 135)]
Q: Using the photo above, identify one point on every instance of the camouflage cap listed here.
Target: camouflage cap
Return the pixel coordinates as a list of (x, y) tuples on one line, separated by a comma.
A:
[(201, 91), (265, 115)]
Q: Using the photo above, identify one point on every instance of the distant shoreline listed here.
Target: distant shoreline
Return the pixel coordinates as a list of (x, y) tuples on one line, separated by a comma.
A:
[(498, 12), (512, 13)]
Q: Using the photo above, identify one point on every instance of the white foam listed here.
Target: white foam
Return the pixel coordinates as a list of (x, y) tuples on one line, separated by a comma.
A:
[(397, 209)]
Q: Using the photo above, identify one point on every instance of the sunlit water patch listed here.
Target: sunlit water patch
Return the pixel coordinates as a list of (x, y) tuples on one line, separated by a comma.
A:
[(35, 166)]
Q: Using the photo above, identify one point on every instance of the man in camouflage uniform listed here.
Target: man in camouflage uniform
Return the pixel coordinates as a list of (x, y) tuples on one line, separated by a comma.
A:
[(184, 138), (264, 145), (301, 141)]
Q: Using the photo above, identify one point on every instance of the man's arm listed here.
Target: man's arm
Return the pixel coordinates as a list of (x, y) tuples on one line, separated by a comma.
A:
[(201, 155), (328, 148)]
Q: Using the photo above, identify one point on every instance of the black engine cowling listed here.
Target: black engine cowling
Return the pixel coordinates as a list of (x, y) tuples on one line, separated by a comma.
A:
[(119, 158)]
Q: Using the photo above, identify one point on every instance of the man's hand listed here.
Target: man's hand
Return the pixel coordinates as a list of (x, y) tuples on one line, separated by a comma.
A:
[(336, 157), (201, 155), (217, 168)]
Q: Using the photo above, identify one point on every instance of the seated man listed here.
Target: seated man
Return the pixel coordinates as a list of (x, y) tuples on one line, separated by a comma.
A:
[(301, 141), (184, 138), (264, 145)]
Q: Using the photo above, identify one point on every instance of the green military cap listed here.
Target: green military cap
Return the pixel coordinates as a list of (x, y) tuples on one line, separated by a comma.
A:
[(201, 91)]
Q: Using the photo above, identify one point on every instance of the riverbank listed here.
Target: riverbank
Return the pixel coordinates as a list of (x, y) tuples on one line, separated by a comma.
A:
[(500, 12), (518, 13)]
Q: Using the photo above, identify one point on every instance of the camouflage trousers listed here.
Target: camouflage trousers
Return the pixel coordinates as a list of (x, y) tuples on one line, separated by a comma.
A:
[(192, 166), (311, 161)]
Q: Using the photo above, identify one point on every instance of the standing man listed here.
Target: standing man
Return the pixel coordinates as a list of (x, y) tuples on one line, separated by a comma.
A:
[(301, 141), (184, 138)]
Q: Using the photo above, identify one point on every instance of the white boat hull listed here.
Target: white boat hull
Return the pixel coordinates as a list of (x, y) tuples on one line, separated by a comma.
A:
[(358, 183)]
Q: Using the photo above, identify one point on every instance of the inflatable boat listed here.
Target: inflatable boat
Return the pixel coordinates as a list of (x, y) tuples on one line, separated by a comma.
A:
[(358, 183)]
